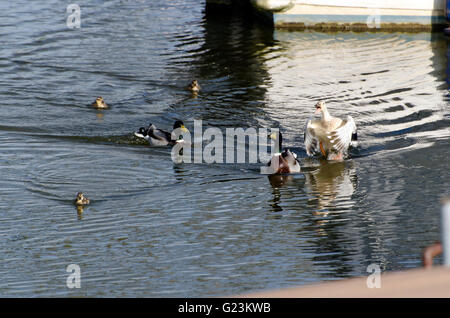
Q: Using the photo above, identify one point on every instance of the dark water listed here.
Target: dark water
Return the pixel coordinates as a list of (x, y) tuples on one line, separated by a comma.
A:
[(158, 229)]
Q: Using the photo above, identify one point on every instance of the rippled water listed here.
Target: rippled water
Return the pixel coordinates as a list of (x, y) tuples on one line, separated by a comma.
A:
[(158, 229)]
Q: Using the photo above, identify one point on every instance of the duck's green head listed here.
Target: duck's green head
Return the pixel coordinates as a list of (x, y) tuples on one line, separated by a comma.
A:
[(141, 133), (278, 138), (180, 124), (273, 136)]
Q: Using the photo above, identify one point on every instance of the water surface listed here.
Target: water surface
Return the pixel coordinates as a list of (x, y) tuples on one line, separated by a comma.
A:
[(156, 229)]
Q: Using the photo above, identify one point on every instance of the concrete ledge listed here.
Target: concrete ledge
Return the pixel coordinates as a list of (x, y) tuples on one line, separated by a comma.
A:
[(334, 16), (360, 27), (340, 18), (417, 283)]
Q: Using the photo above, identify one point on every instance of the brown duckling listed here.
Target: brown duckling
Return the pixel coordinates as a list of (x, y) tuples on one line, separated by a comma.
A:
[(100, 103), (81, 199), (194, 86)]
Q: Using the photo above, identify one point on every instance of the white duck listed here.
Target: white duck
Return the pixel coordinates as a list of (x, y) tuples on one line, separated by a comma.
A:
[(329, 135)]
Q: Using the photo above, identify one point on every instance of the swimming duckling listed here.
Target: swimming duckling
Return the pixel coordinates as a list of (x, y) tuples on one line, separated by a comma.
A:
[(330, 136), (81, 199), (194, 86), (159, 137), (282, 162), (100, 103)]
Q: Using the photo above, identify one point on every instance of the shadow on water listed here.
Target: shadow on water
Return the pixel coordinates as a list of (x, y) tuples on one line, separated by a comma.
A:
[(231, 69)]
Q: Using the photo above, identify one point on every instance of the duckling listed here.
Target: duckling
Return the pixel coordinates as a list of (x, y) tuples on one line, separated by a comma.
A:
[(100, 103), (81, 199), (330, 136), (282, 162), (158, 137), (194, 86)]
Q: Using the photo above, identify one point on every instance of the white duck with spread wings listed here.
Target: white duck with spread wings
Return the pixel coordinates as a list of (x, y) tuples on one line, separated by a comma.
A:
[(329, 136)]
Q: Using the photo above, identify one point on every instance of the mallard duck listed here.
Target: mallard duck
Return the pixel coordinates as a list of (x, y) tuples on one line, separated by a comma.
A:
[(194, 86), (100, 103), (282, 162), (81, 199), (159, 137), (329, 136)]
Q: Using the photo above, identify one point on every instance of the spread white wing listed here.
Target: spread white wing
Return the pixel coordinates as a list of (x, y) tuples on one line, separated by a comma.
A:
[(342, 137), (311, 142)]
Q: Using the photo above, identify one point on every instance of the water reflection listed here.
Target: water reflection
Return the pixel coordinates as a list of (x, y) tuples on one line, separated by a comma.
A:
[(80, 210), (211, 229), (194, 94), (179, 172), (276, 200), (447, 56), (232, 95), (331, 182), (280, 180), (320, 206), (277, 181), (99, 116), (328, 186)]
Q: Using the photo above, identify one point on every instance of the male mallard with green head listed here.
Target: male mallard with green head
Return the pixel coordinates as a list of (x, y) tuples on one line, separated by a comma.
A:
[(158, 137), (282, 162)]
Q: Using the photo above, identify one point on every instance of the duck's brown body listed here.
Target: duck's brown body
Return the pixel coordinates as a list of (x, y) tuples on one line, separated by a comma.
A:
[(284, 162)]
